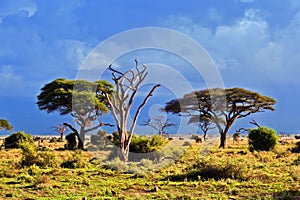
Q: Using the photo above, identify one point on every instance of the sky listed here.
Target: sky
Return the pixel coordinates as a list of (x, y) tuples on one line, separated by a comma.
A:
[(255, 44)]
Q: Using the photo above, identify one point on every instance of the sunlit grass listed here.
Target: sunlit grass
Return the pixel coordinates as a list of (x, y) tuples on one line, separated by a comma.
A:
[(262, 175)]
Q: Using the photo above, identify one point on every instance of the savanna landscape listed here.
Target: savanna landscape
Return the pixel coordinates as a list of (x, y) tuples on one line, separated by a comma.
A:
[(202, 172), (126, 165), (149, 99)]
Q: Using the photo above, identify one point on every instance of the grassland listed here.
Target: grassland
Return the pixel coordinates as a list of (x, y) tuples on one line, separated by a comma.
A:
[(200, 173)]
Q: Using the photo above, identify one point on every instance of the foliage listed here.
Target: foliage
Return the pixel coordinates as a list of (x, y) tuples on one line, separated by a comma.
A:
[(141, 147), (71, 142), (143, 144), (220, 106), (84, 100), (265, 176), (15, 139), (262, 139), (296, 149), (30, 156), (209, 169), (5, 124)]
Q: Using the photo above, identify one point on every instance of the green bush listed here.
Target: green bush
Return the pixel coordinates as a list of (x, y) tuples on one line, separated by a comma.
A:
[(143, 144), (15, 139), (30, 156), (141, 147), (262, 139), (71, 142)]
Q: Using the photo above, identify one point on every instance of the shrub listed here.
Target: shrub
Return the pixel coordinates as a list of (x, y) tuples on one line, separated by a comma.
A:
[(14, 140), (209, 169), (141, 147), (71, 141), (296, 149), (30, 156), (262, 139), (197, 138), (143, 144), (99, 139)]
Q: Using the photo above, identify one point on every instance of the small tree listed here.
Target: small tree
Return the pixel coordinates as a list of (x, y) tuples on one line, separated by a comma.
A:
[(262, 139), (84, 100), (204, 122), (5, 124), (159, 123), (127, 84)]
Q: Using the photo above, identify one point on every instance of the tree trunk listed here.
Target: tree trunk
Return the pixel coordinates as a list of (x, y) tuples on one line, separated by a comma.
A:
[(62, 135), (204, 136), (81, 138), (225, 132), (123, 151), (223, 140), (160, 132), (123, 154)]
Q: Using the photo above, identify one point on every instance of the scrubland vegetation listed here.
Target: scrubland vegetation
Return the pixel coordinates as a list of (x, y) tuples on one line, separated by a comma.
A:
[(201, 171)]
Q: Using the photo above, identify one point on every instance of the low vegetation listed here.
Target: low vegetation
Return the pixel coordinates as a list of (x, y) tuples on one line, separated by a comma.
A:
[(16, 139), (262, 139), (199, 171)]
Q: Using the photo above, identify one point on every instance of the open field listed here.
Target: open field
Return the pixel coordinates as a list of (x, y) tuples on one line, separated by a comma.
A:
[(203, 172)]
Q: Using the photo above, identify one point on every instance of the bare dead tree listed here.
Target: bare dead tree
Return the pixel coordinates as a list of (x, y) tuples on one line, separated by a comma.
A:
[(127, 85), (254, 123), (159, 123), (61, 129)]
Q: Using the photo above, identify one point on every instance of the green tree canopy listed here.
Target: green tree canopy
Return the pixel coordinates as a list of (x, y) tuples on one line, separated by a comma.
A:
[(4, 124), (84, 100), (222, 106)]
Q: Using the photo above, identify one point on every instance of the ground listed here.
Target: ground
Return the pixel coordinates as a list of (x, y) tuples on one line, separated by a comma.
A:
[(252, 175)]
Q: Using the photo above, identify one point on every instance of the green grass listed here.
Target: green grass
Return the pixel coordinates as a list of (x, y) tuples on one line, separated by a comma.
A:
[(262, 175)]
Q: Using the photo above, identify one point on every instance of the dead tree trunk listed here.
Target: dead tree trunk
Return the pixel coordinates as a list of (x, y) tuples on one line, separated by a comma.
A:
[(127, 85)]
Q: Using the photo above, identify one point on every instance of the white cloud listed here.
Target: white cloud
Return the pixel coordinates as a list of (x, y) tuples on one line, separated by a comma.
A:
[(9, 7), (247, 51)]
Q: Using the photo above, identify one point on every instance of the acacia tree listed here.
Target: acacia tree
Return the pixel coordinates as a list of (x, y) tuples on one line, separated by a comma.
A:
[(205, 123), (84, 100), (127, 84), (223, 111), (159, 123), (5, 124)]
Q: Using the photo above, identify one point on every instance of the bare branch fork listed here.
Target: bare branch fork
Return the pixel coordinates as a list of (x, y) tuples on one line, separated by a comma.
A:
[(127, 85)]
